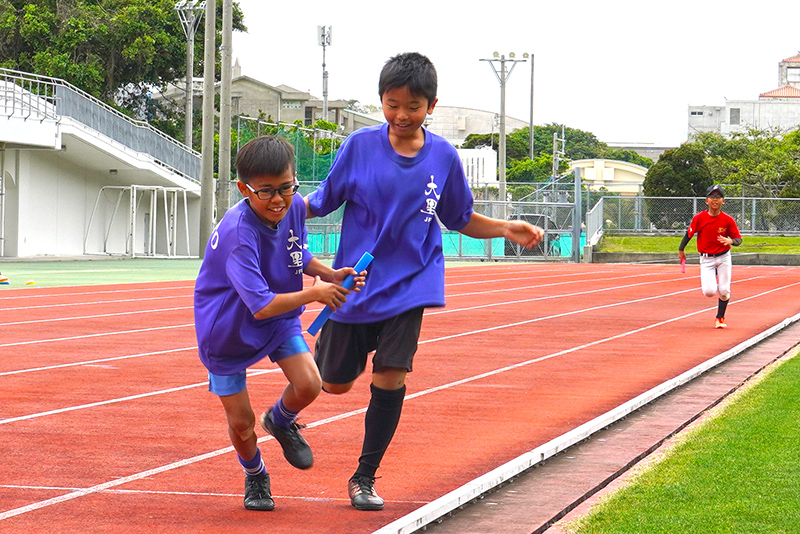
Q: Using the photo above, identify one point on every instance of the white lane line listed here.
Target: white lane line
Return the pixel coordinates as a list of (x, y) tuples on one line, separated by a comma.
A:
[(250, 373), (29, 294), (97, 361), (97, 316), (93, 303), (101, 334), (193, 494)]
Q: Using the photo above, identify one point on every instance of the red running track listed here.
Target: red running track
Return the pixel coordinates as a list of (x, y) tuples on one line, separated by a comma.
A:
[(106, 423)]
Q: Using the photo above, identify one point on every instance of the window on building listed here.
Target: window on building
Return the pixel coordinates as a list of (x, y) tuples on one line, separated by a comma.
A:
[(292, 104), (735, 113), (697, 113), (309, 117), (793, 74)]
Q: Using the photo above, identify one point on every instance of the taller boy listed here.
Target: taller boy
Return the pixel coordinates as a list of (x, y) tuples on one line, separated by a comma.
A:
[(398, 181)]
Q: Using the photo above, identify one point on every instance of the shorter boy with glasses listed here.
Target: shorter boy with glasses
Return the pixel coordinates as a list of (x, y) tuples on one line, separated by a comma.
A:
[(247, 303)]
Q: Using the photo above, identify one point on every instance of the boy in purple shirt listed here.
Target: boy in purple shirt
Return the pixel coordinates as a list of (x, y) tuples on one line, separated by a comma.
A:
[(248, 299), (398, 181)]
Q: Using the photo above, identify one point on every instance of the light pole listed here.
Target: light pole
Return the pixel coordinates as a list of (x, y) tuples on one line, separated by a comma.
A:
[(190, 12), (531, 132), (502, 76), (207, 185), (324, 40), (224, 158)]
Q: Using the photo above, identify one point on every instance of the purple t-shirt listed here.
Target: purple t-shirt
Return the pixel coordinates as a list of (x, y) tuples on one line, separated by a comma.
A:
[(246, 263), (392, 203)]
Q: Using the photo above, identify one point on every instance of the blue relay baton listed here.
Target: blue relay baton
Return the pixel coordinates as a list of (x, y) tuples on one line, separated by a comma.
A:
[(347, 284)]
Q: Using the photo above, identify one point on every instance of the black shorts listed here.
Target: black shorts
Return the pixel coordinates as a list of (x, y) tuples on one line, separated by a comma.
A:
[(342, 349)]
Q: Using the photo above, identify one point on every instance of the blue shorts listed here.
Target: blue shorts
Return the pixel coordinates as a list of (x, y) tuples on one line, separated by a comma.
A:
[(224, 385)]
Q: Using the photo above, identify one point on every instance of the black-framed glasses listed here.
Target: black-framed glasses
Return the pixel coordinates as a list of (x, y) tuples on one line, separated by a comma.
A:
[(267, 193)]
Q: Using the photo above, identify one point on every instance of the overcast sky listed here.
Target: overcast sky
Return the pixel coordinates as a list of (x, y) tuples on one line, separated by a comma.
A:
[(624, 70)]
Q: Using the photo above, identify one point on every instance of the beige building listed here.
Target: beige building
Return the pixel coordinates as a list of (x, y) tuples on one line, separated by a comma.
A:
[(258, 99), (775, 109), (611, 175)]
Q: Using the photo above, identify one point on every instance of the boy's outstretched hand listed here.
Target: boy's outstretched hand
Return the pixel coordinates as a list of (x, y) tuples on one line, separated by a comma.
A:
[(524, 233), (330, 294), (339, 276)]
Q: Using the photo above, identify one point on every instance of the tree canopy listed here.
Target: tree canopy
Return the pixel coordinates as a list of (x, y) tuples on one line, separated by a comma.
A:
[(757, 163), (579, 145), (679, 172), (763, 163), (100, 46)]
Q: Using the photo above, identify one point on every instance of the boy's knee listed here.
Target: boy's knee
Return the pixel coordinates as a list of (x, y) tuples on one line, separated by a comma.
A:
[(336, 389), (309, 389), (709, 292), (724, 296), (242, 424)]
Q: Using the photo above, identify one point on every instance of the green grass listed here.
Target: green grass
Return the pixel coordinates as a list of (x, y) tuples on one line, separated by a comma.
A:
[(54, 273), (735, 473), (666, 244)]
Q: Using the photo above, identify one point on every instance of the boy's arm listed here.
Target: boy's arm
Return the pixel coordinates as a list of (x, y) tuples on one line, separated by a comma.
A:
[(334, 276), (518, 231), (684, 242), (323, 292), (309, 213), (327, 290)]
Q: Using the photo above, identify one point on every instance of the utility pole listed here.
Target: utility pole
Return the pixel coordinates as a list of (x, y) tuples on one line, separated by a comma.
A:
[(558, 151), (189, 12), (502, 76), (207, 189), (224, 200), (324, 40)]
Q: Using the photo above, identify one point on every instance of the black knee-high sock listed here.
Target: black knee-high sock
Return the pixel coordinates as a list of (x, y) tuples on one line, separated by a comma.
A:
[(721, 307), (380, 422)]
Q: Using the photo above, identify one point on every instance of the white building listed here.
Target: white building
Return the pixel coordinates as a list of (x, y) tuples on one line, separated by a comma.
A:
[(78, 177), (776, 109)]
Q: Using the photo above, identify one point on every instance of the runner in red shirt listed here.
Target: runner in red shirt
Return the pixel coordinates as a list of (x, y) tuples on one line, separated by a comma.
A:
[(716, 234)]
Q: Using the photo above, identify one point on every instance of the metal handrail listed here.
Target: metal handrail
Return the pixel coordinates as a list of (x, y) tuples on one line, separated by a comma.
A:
[(44, 97)]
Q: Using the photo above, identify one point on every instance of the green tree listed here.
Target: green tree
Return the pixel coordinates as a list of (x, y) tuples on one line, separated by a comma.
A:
[(626, 155), (679, 172), (101, 46), (762, 163), (579, 145), (536, 170)]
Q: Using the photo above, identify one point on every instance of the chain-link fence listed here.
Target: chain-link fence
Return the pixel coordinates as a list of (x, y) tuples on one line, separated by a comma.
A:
[(674, 214), (314, 148), (554, 218)]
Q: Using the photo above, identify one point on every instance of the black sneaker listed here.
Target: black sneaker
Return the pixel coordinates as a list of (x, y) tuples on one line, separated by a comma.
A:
[(256, 493), (295, 448), (362, 493)]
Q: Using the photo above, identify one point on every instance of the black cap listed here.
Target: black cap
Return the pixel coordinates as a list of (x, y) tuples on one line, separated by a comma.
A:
[(716, 188)]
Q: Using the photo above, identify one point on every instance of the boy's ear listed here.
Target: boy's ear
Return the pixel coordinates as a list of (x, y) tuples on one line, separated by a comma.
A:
[(242, 188), (432, 105)]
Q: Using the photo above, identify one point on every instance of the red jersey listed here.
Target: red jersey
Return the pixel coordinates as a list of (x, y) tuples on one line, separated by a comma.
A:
[(708, 227)]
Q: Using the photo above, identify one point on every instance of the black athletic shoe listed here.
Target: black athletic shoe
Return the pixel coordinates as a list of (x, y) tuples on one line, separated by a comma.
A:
[(295, 448), (256, 493), (362, 493)]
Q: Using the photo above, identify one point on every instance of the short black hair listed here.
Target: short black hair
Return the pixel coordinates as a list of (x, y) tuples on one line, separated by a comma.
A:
[(264, 156), (412, 70)]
